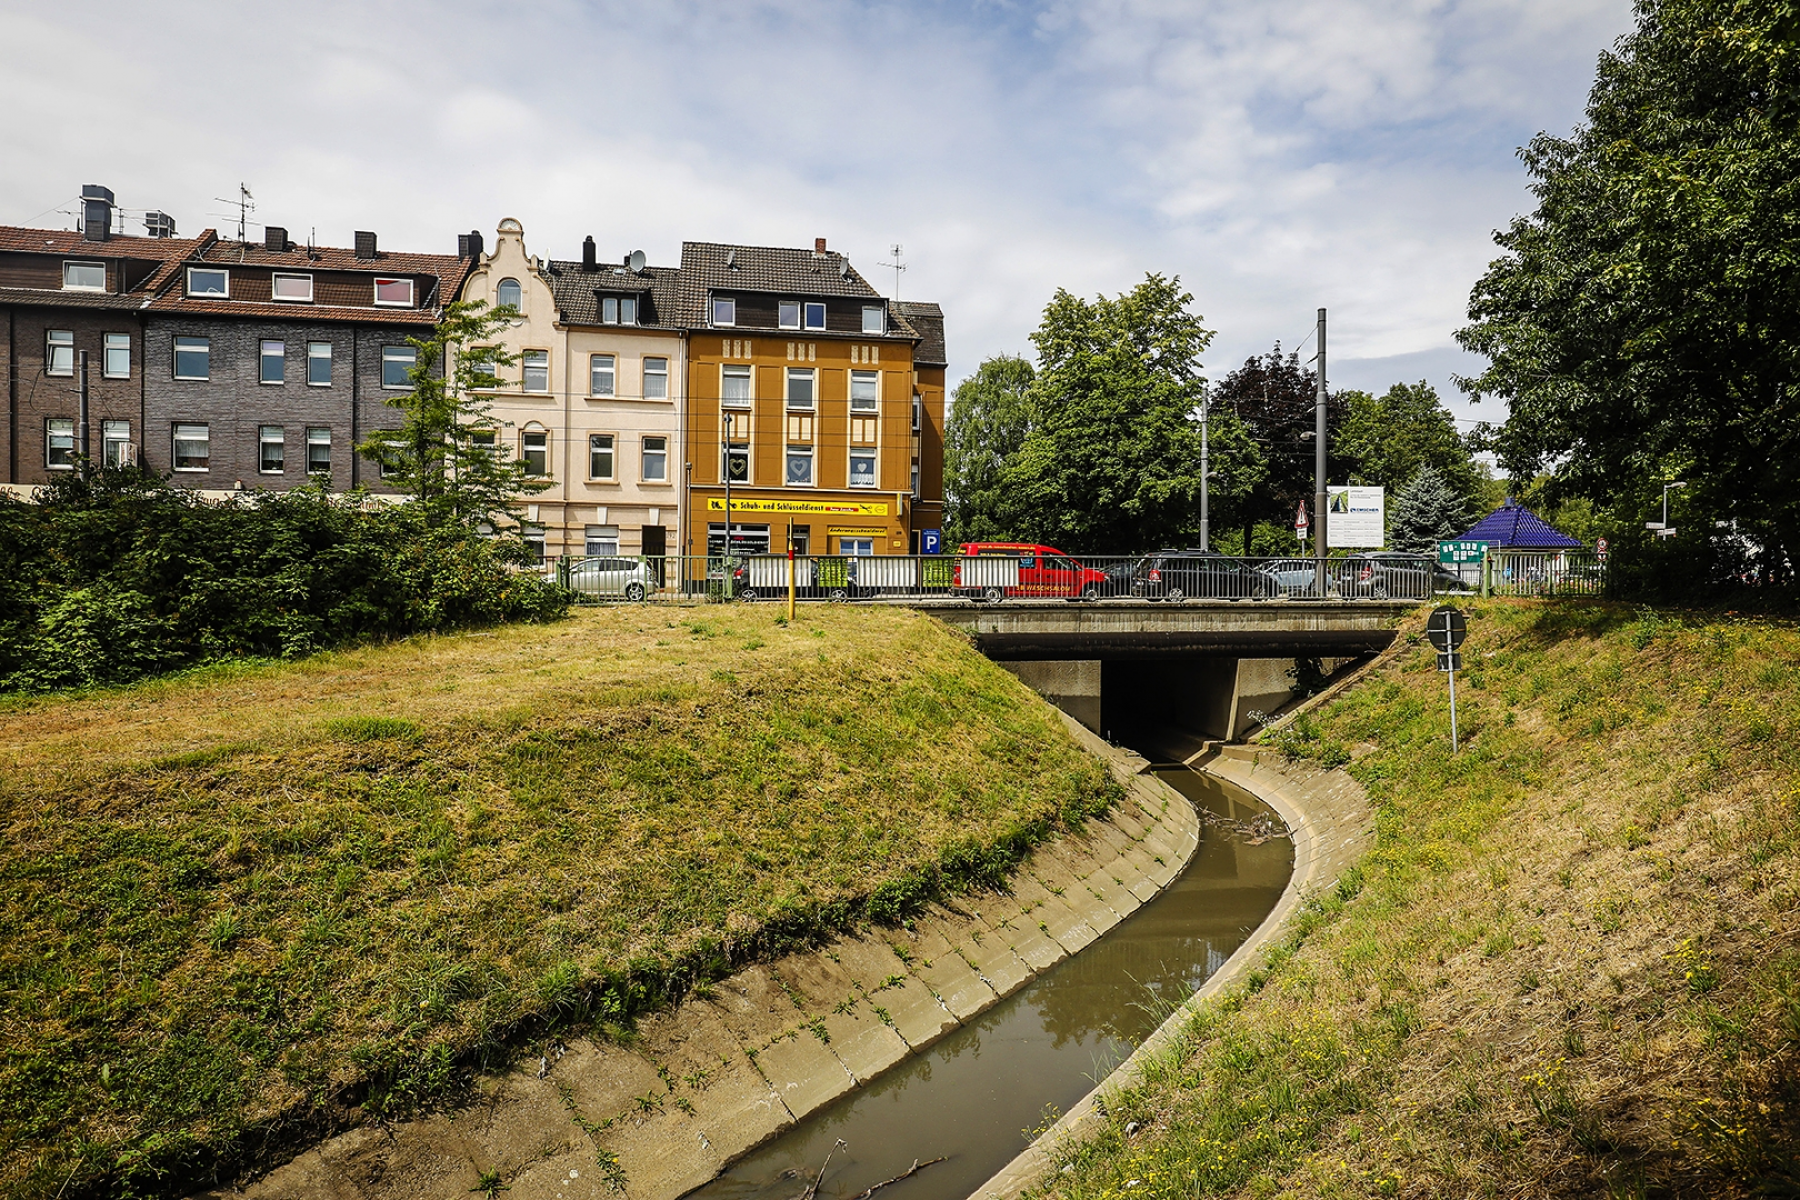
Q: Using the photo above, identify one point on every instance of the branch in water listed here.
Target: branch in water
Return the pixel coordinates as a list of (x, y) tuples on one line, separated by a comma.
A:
[(912, 1170)]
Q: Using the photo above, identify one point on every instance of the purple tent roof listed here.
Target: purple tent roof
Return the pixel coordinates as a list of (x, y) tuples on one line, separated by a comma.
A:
[(1514, 526)]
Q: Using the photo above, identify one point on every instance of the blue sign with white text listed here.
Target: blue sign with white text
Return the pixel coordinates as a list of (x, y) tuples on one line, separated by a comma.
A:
[(931, 541)]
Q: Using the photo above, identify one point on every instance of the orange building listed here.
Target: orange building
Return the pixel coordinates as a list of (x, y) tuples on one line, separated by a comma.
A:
[(819, 402)]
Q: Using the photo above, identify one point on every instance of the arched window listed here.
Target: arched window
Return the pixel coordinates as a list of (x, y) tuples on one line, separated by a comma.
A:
[(509, 293)]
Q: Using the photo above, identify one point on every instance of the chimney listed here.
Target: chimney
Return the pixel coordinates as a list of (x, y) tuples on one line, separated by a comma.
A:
[(589, 261), (96, 212), (159, 224), (819, 246), (365, 244), (275, 239), (468, 245)]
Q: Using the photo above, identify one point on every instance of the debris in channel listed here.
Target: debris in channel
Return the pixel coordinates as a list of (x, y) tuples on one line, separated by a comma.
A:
[(1258, 829)]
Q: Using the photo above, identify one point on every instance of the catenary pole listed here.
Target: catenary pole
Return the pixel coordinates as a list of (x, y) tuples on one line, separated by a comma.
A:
[(1321, 497), (1205, 472)]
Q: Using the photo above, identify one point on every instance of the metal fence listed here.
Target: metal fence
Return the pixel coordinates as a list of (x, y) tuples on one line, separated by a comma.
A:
[(1171, 576), (1544, 573)]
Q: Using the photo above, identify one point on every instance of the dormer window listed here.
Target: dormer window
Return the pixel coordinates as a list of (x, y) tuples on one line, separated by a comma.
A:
[(618, 310), (789, 313), (874, 318), (84, 277), (209, 282), (394, 293), (724, 310), (297, 288), (815, 316)]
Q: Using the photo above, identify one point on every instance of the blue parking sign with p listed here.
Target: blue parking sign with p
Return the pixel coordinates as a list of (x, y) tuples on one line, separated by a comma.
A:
[(931, 541)]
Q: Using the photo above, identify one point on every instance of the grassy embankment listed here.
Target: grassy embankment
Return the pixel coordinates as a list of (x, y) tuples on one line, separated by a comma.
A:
[(1569, 967), (239, 901)]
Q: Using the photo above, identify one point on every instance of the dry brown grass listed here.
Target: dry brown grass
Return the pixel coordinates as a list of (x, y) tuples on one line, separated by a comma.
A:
[(249, 895), (1571, 966)]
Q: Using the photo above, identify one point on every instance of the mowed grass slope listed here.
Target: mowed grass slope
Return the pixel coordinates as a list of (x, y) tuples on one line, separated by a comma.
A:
[(1569, 967), (234, 900)]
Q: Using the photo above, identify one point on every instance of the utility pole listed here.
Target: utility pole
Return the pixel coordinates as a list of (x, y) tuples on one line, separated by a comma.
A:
[(86, 463), (1205, 475), (725, 465), (1321, 496)]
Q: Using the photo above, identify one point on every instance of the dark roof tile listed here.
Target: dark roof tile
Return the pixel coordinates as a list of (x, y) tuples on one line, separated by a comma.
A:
[(927, 319), (578, 292)]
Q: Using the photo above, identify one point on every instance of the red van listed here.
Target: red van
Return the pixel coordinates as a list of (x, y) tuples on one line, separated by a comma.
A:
[(1044, 572)]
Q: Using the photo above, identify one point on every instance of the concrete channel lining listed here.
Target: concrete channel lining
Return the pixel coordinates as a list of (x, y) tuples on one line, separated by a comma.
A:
[(1332, 825), (743, 1061)]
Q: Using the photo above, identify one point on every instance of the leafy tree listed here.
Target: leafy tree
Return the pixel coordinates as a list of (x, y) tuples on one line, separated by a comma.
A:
[(1276, 400), (447, 454), (1391, 437), (1642, 321), (1111, 462), (990, 415), (1428, 510)]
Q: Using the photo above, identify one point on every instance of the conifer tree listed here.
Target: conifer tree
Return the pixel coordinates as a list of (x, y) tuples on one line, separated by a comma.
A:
[(1427, 511)]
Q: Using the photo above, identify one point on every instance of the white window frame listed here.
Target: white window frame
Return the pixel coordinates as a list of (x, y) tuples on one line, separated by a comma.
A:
[(313, 439), (879, 312), (263, 439), (275, 281), (525, 452), (83, 287), (795, 451), (526, 366), (662, 449), (500, 301), (730, 302), (56, 428), (221, 272), (55, 340), (806, 312), (737, 371), (611, 371), (651, 372), (609, 444), (109, 343), (595, 541), (393, 280), (205, 346), (326, 358), (262, 361), (811, 404), (396, 353), (870, 404), (874, 457), (175, 440), (110, 436), (781, 314)]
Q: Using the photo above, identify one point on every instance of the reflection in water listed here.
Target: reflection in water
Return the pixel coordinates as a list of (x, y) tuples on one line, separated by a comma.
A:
[(973, 1095)]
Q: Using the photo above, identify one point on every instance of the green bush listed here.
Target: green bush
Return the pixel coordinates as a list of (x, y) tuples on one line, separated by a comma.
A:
[(120, 576)]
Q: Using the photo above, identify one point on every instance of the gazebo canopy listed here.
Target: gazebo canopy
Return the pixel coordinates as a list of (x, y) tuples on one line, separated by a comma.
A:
[(1512, 526)]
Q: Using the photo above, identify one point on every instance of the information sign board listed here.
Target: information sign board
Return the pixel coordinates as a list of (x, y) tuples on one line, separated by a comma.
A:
[(1357, 519), (1455, 554)]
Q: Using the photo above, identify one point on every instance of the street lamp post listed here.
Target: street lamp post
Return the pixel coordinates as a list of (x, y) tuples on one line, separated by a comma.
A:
[(1661, 528), (1205, 476)]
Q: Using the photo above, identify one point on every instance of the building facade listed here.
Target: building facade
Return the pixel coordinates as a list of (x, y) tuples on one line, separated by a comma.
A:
[(802, 390), (593, 404)]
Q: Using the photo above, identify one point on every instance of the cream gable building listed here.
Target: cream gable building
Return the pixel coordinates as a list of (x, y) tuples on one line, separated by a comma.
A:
[(595, 402)]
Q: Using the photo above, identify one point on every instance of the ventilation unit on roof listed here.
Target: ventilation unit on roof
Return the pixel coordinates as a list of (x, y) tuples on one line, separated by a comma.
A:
[(159, 224), (590, 260), (365, 244), (96, 212), (275, 239)]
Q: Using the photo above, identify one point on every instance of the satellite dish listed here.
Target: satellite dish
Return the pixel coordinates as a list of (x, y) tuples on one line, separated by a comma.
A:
[(637, 262)]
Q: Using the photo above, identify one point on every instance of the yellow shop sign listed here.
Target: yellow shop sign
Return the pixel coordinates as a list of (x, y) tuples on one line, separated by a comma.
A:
[(832, 508)]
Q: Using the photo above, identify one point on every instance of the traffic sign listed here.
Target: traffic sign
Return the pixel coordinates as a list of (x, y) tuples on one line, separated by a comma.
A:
[(931, 541), (1301, 523), (1446, 628), (1449, 660), (1600, 545)]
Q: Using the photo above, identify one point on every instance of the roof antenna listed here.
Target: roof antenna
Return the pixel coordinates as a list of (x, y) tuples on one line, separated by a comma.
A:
[(898, 264), (245, 205)]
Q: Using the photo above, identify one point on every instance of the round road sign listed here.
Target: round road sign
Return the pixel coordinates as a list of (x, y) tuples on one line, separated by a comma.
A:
[(1446, 628)]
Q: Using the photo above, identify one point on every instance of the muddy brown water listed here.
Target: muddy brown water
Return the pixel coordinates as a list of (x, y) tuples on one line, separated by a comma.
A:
[(971, 1097)]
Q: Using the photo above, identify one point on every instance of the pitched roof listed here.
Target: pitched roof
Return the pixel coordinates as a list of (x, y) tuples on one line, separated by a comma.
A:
[(578, 292), (1514, 526), (706, 266), (928, 320), (447, 269), (67, 243)]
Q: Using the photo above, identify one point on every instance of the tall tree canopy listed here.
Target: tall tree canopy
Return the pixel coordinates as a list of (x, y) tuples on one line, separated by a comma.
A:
[(1112, 459), (1644, 322), (989, 418), (1390, 438), (1275, 399)]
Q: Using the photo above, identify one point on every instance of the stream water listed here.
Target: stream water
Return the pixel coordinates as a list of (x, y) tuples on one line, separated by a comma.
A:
[(972, 1096)]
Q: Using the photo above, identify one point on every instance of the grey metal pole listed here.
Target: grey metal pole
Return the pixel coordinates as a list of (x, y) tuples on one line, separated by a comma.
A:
[(725, 465), (1321, 497), (85, 464), (1455, 742), (1205, 473)]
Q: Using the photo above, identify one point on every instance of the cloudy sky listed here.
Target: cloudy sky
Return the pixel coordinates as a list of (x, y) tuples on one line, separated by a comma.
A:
[(1277, 155)]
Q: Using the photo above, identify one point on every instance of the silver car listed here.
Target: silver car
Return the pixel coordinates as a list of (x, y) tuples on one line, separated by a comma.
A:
[(625, 578)]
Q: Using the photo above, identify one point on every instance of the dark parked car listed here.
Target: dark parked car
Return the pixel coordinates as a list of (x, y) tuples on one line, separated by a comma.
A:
[(1298, 576), (1199, 574), (1385, 574)]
